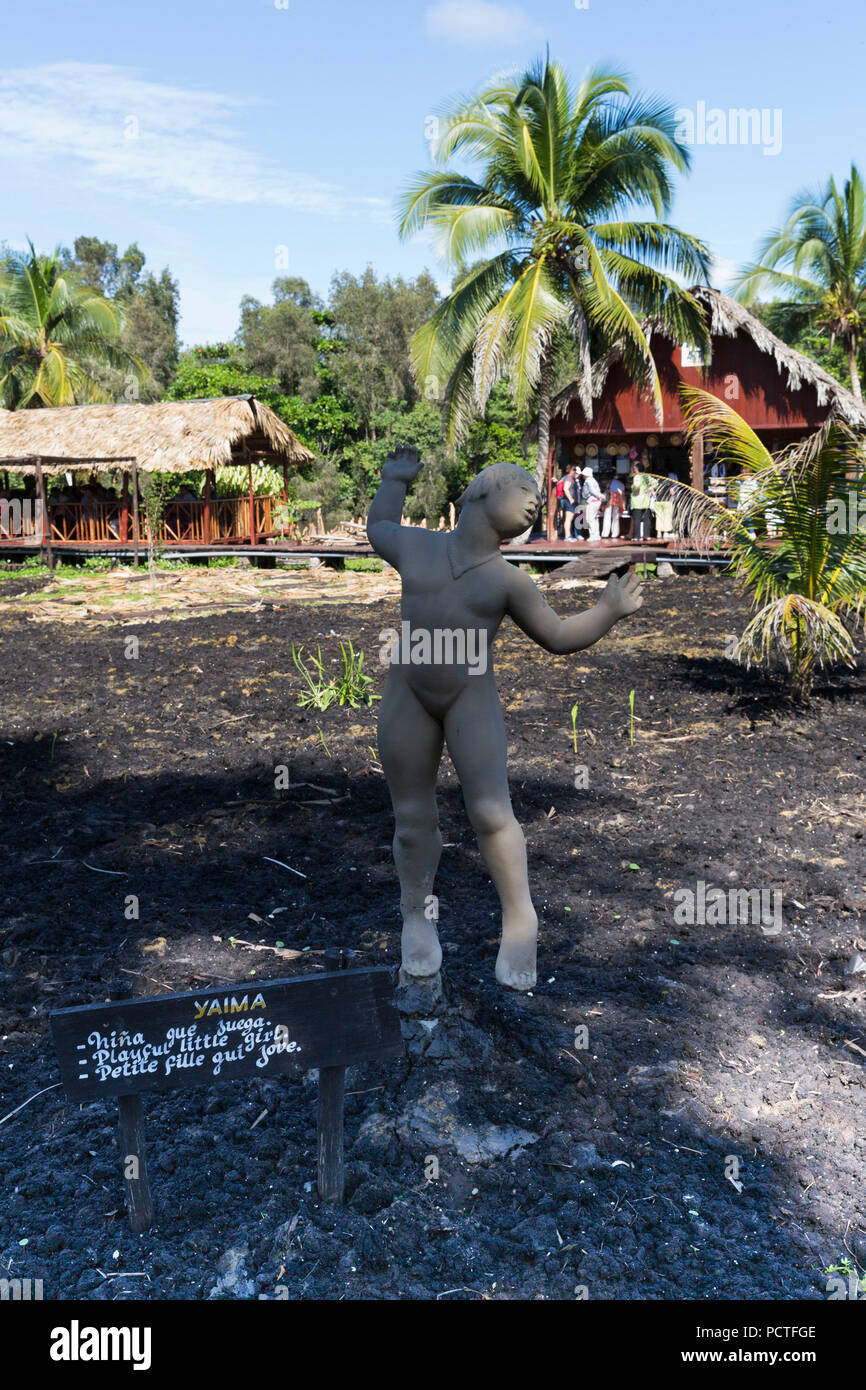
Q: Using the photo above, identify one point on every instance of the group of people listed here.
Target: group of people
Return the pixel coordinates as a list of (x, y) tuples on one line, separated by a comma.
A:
[(604, 505)]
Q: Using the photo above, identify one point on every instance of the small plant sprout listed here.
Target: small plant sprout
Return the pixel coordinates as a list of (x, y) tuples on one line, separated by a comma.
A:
[(352, 687), (321, 692), (631, 717), (574, 725)]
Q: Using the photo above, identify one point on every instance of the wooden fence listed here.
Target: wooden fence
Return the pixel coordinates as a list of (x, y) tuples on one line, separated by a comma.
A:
[(192, 522)]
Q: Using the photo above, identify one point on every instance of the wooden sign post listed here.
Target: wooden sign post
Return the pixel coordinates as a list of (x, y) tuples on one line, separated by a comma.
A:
[(230, 1033)]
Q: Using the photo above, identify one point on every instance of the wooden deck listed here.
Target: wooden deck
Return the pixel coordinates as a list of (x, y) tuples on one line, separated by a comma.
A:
[(585, 560), (204, 528)]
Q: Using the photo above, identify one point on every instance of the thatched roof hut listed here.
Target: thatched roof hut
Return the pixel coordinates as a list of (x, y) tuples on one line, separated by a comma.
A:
[(726, 319), (166, 437)]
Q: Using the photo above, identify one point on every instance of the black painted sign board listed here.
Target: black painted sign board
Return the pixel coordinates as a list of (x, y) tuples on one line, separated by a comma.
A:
[(226, 1034), (230, 1033)]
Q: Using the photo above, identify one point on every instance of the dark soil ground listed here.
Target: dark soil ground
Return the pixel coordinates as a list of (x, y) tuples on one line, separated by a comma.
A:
[(707, 1142)]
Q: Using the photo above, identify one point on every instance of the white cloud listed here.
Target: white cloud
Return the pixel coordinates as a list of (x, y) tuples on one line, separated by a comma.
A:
[(153, 139), (479, 22), (724, 270)]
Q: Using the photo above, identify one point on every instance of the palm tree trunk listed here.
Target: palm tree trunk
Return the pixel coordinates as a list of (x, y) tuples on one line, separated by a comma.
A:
[(852, 368), (543, 426)]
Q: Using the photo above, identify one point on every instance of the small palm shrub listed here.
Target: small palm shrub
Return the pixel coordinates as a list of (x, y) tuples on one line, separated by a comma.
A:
[(806, 571)]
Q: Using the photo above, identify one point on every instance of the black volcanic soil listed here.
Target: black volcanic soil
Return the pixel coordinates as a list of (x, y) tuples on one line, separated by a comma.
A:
[(709, 1140)]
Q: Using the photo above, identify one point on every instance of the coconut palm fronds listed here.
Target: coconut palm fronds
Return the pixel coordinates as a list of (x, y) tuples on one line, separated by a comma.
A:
[(799, 634), (797, 535)]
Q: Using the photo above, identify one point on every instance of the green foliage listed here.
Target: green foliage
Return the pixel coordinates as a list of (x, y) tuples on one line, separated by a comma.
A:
[(372, 325), (557, 172), (794, 324), (201, 375), (288, 512), (351, 687), (353, 684), (817, 260), (281, 340), (321, 690), (365, 564), (809, 587), (59, 339), (326, 424), (366, 402), (150, 311)]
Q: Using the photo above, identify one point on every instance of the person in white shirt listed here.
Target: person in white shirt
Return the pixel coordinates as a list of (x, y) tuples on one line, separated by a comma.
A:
[(591, 494)]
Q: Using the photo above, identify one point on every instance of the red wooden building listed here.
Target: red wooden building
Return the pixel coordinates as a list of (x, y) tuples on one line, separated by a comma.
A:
[(779, 392)]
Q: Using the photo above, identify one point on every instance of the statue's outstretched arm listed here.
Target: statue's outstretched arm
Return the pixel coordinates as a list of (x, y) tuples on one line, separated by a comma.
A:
[(384, 531), (561, 635)]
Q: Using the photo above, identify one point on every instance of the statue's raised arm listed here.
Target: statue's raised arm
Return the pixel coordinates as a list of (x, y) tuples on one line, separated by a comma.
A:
[(384, 531)]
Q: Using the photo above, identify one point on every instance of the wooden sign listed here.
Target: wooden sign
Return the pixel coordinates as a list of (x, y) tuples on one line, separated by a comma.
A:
[(230, 1033)]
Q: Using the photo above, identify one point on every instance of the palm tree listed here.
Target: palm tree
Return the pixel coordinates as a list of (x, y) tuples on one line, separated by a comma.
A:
[(808, 585), (561, 170), (55, 336), (823, 246)]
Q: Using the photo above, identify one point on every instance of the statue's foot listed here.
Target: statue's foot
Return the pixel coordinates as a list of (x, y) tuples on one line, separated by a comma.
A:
[(422, 954), (515, 964)]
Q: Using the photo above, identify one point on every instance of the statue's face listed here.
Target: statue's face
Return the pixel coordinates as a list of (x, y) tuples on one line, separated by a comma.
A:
[(511, 509)]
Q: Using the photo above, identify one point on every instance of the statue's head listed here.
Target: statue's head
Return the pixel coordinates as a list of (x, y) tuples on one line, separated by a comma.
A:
[(508, 496)]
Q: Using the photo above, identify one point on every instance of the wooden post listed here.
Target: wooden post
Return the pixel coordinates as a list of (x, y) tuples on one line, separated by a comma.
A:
[(207, 491), (139, 1200), (551, 489), (135, 535), (285, 481), (332, 1090), (124, 506), (45, 524), (252, 502), (698, 462)]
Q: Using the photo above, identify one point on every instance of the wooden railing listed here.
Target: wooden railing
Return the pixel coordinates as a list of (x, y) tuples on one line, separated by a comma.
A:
[(196, 522)]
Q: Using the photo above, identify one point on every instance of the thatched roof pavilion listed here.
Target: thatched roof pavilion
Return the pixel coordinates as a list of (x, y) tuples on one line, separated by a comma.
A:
[(726, 320), (779, 392), (166, 437)]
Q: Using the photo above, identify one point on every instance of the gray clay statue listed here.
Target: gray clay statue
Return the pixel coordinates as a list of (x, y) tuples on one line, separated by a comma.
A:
[(440, 688)]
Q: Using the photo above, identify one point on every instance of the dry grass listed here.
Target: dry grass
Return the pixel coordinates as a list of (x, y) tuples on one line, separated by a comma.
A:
[(122, 593)]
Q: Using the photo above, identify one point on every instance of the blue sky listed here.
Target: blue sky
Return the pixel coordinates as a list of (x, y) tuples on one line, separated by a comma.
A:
[(237, 141)]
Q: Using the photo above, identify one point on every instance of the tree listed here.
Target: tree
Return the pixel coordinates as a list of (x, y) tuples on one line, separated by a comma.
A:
[(282, 340), (817, 259), (97, 264), (58, 336), (559, 170), (373, 325), (811, 581), (794, 324), (217, 370), (150, 305)]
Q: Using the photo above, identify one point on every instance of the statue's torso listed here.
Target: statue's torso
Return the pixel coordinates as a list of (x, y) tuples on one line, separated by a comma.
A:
[(465, 609)]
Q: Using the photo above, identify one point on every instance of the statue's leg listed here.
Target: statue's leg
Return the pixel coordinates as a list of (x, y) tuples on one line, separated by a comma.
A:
[(475, 734), (410, 747)]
